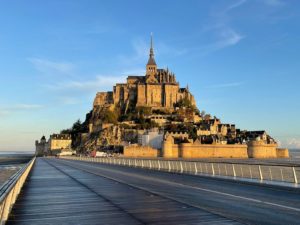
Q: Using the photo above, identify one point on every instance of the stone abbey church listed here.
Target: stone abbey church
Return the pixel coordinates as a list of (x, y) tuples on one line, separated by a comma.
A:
[(158, 89)]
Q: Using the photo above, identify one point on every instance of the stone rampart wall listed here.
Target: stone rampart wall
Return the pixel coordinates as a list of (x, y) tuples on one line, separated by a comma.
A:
[(189, 150), (282, 153), (140, 151), (197, 150), (258, 149)]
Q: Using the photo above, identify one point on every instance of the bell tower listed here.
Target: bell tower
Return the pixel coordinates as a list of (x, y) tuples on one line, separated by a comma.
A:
[(151, 67)]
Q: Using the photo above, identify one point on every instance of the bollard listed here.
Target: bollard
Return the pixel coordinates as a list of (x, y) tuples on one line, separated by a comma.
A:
[(196, 171), (213, 169), (169, 166)]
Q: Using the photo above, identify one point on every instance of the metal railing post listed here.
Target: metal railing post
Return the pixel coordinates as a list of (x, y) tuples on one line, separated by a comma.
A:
[(281, 174), (181, 167), (169, 164), (213, 169), (260, 173), (233, 169), (196, 171), (242, 170), (158, 164), (295, 176)]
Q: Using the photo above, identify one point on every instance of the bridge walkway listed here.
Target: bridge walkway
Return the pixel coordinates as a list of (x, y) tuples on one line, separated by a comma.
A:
[(56, 193)]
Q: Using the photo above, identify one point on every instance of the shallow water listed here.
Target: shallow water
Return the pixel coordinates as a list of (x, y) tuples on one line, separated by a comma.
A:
[(11, 162)]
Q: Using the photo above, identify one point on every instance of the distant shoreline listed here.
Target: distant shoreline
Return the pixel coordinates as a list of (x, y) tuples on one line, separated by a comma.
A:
[(13, 158)]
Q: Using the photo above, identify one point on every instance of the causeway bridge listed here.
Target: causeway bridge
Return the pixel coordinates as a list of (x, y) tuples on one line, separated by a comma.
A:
[(131, 191)]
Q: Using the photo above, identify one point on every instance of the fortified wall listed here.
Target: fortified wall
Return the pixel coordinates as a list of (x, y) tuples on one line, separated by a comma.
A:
[(254, 149), (259, 149), (198, 150), (140, 151)]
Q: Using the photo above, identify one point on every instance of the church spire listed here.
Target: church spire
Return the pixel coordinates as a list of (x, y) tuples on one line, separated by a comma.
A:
[(151, 60), (151, 68)]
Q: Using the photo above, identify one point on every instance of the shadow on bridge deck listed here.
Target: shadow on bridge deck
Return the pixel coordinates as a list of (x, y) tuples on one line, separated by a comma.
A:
[(58, 194)]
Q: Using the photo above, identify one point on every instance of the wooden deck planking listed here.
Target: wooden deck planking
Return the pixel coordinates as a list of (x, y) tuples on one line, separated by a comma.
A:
[(59, 194)]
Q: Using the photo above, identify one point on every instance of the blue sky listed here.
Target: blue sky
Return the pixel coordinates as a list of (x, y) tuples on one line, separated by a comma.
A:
[(240, 59)]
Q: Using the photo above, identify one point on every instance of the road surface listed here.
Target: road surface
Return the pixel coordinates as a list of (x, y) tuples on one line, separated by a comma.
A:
[(141, 196)]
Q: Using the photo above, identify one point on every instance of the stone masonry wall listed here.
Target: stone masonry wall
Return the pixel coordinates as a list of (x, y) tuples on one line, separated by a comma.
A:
[(140, 151)]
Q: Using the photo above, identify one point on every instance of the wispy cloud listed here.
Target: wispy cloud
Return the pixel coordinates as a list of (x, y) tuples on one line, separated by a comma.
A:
[(140, 52), (219, 30), (226, 85), (49, 67), (290, 143), (7, 110), (235, 5), (100, 83), (227, 37)]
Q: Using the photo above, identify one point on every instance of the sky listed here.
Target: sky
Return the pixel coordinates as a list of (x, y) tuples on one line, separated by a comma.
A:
[(240, 59)]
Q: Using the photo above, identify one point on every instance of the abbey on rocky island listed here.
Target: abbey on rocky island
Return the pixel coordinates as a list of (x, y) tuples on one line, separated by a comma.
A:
[(151, 116)]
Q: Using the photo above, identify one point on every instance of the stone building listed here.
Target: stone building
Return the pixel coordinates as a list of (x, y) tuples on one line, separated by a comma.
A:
[(41, 147), (152, 138), (59, 143), (56, 144), (158, 89)]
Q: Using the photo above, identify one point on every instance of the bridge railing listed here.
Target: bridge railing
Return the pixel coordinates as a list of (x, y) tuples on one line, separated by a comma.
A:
[(289, 174), (11, 188)]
